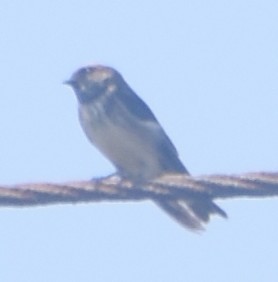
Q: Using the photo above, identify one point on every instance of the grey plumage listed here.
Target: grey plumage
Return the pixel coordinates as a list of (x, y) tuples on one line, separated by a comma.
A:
[(126, 131)]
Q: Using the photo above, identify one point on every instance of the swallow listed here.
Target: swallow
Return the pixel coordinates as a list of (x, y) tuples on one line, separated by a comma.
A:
[(122, 126)]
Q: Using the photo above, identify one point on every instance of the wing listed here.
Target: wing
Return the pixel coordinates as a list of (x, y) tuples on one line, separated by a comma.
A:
[(136, 105), (138, 108)]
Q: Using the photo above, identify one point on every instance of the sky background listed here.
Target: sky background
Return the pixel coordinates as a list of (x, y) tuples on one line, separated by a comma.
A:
[(208, 70)]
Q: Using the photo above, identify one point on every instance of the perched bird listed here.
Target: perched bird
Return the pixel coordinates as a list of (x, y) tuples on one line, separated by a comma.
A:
[(126, 131)]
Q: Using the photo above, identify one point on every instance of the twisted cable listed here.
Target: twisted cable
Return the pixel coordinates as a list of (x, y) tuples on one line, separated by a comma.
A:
[(261, 184)]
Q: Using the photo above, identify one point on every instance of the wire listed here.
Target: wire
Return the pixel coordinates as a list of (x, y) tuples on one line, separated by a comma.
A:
[(178, 187)]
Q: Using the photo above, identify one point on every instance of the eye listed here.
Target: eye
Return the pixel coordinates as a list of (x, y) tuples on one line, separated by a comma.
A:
[(88, 69), (84, 71)]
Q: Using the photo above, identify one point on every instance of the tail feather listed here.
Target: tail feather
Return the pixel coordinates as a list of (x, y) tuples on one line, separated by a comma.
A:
[(181, 214), (191, 213), (204, 208)]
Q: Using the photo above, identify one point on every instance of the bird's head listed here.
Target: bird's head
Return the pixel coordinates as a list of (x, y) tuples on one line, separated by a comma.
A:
[(91, 82)]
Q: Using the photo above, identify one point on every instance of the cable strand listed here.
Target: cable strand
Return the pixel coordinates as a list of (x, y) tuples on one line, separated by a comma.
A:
[(177, 187)]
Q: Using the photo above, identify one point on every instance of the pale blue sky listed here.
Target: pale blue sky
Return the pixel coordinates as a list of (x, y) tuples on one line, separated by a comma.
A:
[(208, 70)]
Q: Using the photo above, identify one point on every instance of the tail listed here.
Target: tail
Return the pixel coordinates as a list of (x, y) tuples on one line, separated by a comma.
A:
[(191, 213)]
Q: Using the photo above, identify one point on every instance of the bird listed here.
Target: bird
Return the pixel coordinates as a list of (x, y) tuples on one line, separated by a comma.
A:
[(125, 130)]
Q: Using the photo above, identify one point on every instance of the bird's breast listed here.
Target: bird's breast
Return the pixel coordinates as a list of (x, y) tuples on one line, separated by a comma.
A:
[(126, 145)]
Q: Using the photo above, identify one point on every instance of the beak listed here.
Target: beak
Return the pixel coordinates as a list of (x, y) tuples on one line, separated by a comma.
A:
[(68, 82)]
